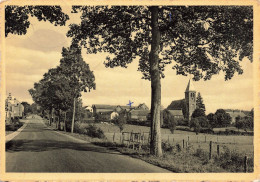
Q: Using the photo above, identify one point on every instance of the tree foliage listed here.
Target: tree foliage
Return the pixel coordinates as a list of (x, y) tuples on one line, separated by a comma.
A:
[(169, 120), (76, 70), (198, 113), (27, 108), (222, 119), (199, 102), (212, 120), (17, 17), (202, 40), (245, 123), (120, 121)]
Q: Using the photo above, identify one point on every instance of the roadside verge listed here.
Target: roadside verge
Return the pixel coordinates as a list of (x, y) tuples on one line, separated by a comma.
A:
[(14, 134)]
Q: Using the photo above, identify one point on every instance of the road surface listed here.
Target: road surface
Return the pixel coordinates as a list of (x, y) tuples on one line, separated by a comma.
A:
[(39, 149)]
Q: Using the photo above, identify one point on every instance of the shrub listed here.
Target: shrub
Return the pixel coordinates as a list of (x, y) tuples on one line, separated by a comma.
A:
[(14, 125), (120, 121), (79, 128), (201, 153), (182, 122), (233, 161), (93, 131), (194, 123), (167, 147)]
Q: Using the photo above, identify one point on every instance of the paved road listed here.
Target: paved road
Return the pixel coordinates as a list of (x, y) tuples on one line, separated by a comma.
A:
[(39, 149)]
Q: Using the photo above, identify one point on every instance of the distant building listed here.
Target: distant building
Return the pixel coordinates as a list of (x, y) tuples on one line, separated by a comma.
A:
[(140, 115), (185, 107), (177, 114), (234, 114), (109, 111), (90, 109), (13, 108)]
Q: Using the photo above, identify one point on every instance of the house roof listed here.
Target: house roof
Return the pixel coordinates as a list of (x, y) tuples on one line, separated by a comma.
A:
[(190, 86), (142, 106), (234, 114), (103, 106), (176, 112), (107, 112), (140, 112), (109, 107)]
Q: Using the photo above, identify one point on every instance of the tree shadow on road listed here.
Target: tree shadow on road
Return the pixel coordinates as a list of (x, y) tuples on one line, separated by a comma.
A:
[(48, 145)]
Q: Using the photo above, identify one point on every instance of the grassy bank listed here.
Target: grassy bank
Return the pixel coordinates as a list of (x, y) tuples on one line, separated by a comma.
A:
[(13, 126)]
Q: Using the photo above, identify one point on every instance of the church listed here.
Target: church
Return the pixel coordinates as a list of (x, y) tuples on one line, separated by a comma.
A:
[(184, 108)]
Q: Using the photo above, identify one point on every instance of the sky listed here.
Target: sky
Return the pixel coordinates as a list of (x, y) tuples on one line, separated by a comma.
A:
[(29, 56)]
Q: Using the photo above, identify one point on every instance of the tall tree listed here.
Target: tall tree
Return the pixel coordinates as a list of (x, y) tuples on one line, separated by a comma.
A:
[(222, 118), (202, 40), (17, 17), (199, 103), (27, 108), (53, 91), (78, 73)]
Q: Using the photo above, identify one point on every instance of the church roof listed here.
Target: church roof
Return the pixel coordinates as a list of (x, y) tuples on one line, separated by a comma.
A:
[(190, 86), (176, 112), (176, 104)]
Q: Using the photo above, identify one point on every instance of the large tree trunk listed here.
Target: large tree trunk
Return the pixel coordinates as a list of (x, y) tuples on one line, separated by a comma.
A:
[(155, 142), (73, 115), (65, 121)]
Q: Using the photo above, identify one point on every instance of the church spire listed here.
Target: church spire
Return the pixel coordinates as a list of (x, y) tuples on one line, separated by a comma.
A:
[(190, 86)]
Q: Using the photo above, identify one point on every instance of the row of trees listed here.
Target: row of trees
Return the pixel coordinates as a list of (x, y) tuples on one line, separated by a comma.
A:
[(61, 87)]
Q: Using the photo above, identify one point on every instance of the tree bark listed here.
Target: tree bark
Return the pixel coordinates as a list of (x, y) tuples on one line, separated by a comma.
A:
[(65, 121), (73, 115), (155, 143)]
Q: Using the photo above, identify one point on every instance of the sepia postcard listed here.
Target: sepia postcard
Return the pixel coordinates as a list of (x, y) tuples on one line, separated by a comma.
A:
[(129, 90)]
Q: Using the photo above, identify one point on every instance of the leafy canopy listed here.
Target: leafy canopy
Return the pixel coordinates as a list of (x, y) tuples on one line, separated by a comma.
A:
[(17, 17), (76, 70), (201, 40), (199, 102)]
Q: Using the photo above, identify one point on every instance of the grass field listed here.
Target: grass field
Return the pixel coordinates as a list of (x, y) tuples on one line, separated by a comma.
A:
[(243, 144)]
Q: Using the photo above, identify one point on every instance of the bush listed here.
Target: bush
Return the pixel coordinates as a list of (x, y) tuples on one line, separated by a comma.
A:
[(233, 161), (79, 128), (93, 131), (194, 123), (120, 121), (14, 125), (167, 147), (182, 122)]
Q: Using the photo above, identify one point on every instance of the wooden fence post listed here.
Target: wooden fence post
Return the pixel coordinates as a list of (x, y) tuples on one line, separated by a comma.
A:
[(183, 143), (188, 138), (218, 150), (210, 150), (245, 164)]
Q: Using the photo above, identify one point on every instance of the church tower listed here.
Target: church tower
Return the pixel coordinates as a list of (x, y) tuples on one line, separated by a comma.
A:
[(190, 99)]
